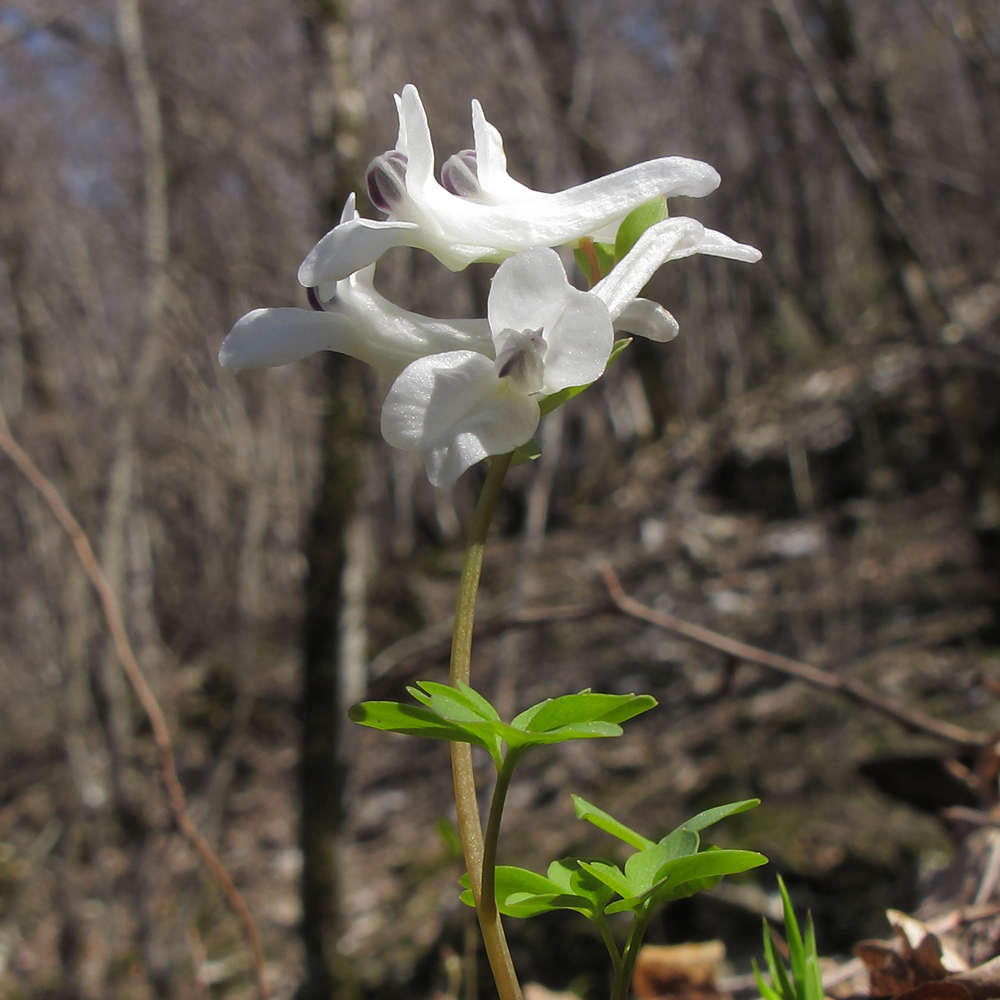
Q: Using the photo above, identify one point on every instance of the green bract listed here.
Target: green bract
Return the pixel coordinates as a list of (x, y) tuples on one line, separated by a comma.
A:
[(634, 224), (462, 715)]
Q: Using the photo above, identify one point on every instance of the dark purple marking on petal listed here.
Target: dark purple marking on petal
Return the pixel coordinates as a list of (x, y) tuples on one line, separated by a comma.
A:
[(312, 294)]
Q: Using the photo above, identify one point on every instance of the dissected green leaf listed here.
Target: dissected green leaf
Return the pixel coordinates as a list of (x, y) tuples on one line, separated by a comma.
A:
[(574, 879), (411, 720), (524, 893), (600, 819), (688, 875), (457, 719), (611, 875), (637, 222), (708, 864), (577, 731), (642, 869), (587, 706), (712, 816), (457, 704)]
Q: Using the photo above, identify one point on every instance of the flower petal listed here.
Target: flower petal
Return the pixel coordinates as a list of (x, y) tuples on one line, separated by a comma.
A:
[(644, 318), (578, 344), (272, 337), (529, 291), (667, 240), (719, 245), (360, 323), (454, 410), (414, 139), (491, 163), (352, 246)]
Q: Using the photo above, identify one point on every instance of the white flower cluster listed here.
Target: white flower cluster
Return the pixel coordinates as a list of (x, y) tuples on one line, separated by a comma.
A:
[(467, 389)]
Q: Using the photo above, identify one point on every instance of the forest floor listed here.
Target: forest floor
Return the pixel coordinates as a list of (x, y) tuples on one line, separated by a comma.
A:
[(721, 526)]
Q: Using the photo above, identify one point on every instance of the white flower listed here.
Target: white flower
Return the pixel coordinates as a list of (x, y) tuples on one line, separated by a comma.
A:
[(460, 407), (493, 216), (352, 318)]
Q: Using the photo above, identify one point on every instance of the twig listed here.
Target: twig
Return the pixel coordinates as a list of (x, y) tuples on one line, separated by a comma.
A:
[(404, 658), (848, 687), (161, 732)]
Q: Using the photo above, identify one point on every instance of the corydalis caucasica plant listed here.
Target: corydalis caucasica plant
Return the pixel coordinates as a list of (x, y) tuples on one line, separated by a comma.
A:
[(468, 389)]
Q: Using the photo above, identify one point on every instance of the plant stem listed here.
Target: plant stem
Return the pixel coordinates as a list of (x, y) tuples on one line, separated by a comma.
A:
[(609, 942), (489, 902), (623, 973), (466, 802)]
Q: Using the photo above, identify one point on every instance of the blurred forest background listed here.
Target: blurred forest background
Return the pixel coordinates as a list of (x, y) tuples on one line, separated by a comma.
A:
[(813, 466)]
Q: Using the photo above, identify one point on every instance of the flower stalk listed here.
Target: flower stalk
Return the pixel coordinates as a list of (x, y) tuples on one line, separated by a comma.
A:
[(463, 775)]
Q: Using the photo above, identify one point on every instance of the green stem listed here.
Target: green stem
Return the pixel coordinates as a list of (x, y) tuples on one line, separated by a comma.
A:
[(609, 941), (489, 898), (623, 973), (466, 802)]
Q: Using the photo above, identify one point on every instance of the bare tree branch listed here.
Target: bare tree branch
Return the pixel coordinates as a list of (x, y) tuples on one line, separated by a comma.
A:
[(850, 688)]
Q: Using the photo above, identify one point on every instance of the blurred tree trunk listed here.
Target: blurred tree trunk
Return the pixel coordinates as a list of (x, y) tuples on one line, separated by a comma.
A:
[(335, 121)]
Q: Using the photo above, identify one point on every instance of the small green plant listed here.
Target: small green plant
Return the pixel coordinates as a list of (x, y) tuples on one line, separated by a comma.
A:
[(656, 873), (803, 981)]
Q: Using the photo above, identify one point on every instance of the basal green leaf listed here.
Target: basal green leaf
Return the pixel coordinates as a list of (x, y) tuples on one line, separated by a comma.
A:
[(637, 222), (600, 819)]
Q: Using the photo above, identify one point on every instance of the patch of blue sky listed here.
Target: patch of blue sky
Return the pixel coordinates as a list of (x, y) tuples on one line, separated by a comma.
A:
[(37, 41), (644, 30)]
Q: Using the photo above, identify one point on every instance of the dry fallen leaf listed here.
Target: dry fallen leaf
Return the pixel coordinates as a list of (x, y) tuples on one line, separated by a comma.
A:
[(683, 970), (888, 972), (936, 991)]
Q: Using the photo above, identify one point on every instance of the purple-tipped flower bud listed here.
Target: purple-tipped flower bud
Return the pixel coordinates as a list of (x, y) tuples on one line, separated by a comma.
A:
[(386, 180), (460, 175)]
